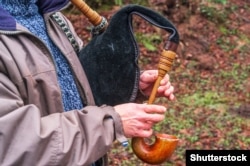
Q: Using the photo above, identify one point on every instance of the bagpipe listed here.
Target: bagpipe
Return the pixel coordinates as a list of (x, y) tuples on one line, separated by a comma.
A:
[(110, 61)]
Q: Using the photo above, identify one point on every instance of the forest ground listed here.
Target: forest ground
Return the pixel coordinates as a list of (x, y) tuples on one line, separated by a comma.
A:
[(211, 73)]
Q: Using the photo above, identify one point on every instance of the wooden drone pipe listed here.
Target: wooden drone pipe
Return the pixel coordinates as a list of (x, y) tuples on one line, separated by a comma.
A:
[(164, 145), (100, 23), (92, 15)]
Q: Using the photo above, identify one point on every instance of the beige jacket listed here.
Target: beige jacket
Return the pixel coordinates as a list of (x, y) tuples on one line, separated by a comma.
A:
[(34, 129)]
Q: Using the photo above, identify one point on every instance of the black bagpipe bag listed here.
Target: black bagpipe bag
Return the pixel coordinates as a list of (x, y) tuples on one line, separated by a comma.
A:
[(110, 59)]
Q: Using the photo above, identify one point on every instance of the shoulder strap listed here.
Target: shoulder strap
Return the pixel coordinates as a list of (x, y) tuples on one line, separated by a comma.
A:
[(64, 26)]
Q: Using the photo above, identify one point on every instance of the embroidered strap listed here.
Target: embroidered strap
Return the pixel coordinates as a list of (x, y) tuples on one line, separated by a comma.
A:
[(62, 23), (99, 28)]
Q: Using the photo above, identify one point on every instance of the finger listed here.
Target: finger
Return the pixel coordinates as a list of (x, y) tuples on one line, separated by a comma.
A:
[(149, 76), (154, 72), (165, 80), (169, 91), (172, 97), (144, 125), (164, 87), (151, 109), (155, 118), (144, 133)]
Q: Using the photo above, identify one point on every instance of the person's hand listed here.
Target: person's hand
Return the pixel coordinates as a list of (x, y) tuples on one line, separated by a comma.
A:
[(147, 80), (138, 119)]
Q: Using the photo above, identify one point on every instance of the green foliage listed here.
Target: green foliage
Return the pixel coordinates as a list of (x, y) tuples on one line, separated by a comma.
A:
[(220, 1), (149, 41), (237, 74), (215, 10), (213, 14), (118, 2), (210, 99)]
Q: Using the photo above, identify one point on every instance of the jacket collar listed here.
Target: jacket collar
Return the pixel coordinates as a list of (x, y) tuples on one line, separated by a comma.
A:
[(7, 22)]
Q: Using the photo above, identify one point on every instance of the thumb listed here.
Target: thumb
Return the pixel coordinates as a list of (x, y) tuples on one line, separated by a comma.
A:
[(149, 76)]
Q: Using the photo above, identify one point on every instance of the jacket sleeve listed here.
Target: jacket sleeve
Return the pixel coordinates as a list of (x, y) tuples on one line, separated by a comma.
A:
[(69, 138)]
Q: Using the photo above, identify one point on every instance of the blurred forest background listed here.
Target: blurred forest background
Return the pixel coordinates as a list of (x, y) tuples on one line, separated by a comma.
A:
[(211, 74)]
